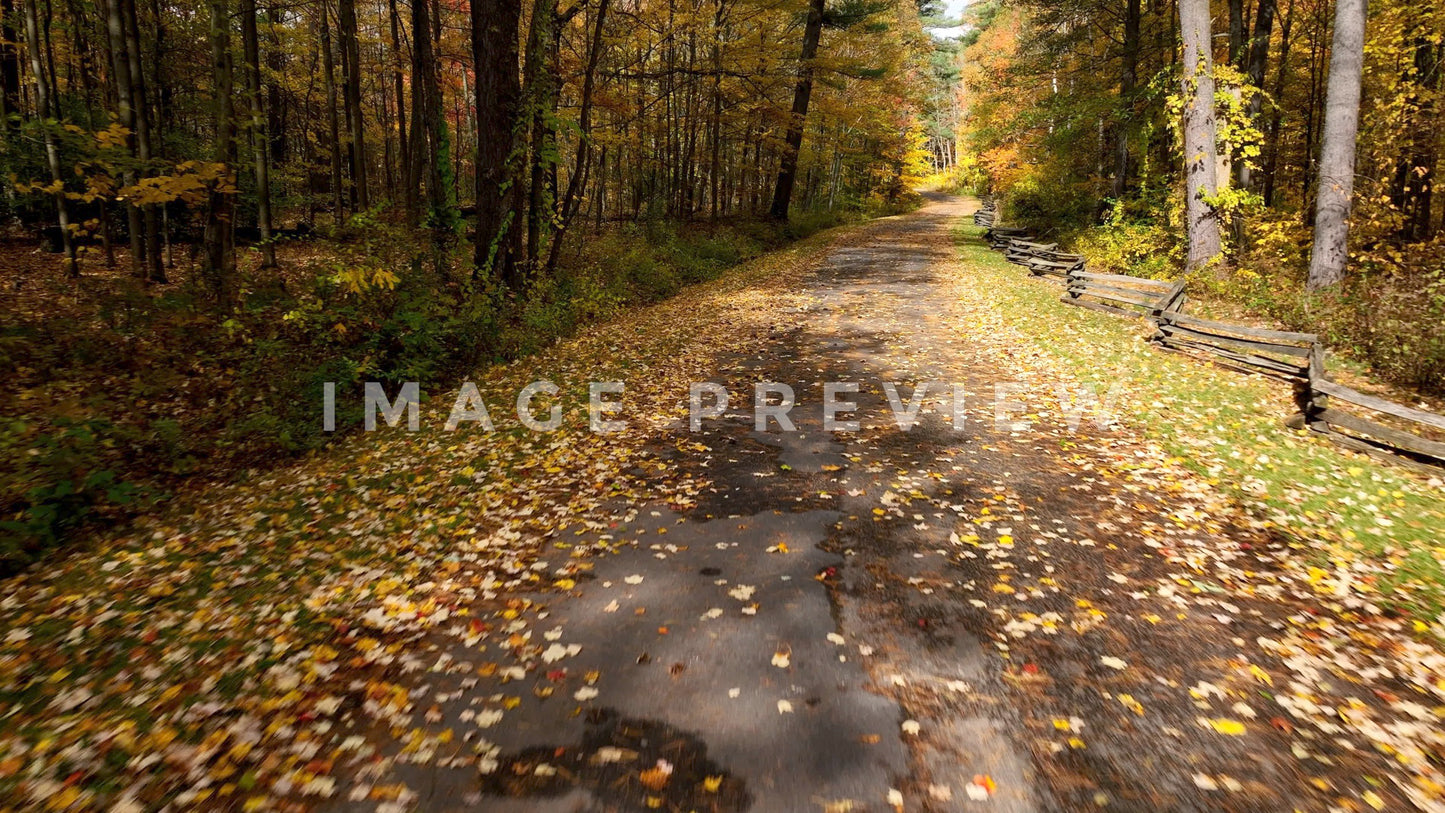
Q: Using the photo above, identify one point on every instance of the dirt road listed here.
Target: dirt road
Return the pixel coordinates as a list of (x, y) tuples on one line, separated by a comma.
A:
[(988, 607)]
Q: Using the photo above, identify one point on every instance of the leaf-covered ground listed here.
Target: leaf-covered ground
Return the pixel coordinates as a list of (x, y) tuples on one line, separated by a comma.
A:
[(1182, 609)]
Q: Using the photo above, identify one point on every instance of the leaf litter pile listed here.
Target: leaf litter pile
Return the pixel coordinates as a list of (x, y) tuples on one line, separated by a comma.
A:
[(1153, 637)]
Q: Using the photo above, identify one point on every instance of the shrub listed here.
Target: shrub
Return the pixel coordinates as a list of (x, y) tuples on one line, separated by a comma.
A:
[(63, 481), (1146, 247)]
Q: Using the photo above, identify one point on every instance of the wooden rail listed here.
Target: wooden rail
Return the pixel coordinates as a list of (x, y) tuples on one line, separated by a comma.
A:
[(999, 237), (986, 214), (1406, 435), (1330, 409), (1271, 352), (1126, 296)]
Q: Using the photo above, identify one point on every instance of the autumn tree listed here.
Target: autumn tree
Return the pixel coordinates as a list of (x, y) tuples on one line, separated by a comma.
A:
[(534, 119), (798, 116)]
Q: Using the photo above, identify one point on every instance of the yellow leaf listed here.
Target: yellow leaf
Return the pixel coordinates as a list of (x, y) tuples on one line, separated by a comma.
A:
[(64, 798), (1233, 728)]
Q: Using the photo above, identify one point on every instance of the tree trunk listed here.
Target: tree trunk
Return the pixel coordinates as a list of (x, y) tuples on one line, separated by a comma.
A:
[(408, 189), (155, 269), (9, 63), (261, 155), (351, 93), (1236, 33), (219, 268), (329, 74), (582, 164), (277, 103), (788, 162), (1257, 58), (420, 171), (536, 91), (1336, 184), (1319, 34), (44, 103), (125, 114), (430, 144), (1128, 80), (1200, 182), (1276, 117), (10, 92), (1415, 172), (494, 57)]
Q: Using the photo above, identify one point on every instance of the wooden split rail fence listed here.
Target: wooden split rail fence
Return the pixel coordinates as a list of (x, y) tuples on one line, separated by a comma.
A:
[(986, 214), (1398, 433)]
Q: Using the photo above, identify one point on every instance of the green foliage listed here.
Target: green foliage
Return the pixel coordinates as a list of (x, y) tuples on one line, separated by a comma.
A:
[(1048, 202), (62, 482), (1146, 245), (445, 217), (964, 178), (637, 263)]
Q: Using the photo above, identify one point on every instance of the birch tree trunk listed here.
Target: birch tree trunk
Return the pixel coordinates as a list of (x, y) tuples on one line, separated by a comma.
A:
[(1336, 184), (1200, 181), (43, 102)]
